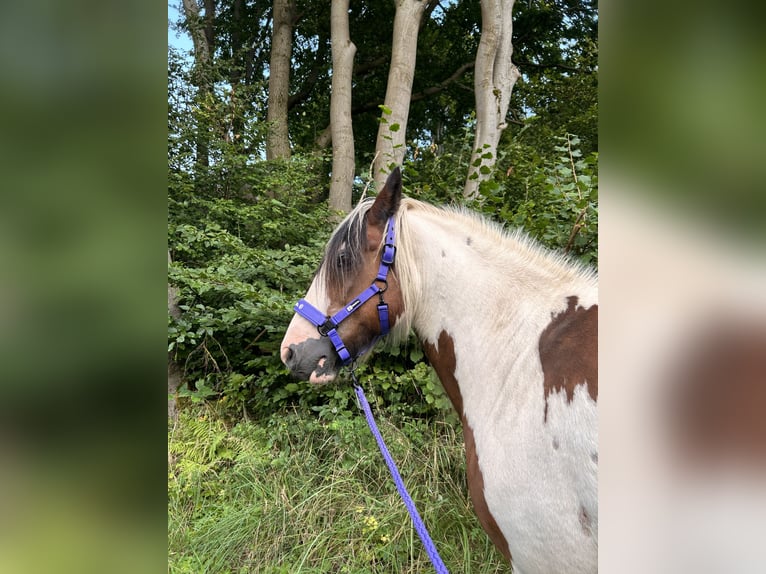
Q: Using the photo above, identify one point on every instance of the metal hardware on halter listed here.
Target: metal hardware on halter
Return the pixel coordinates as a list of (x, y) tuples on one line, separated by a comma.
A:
[(328, 326)]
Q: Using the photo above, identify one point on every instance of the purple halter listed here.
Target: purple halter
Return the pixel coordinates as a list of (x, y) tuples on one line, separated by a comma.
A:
[(328, 326)]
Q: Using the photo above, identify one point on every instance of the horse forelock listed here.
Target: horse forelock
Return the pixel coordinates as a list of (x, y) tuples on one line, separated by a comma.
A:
[(347, 242)]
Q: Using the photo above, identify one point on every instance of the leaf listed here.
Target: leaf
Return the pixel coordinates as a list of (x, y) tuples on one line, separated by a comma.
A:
[(416, 354), (385, 109), (394, 127)]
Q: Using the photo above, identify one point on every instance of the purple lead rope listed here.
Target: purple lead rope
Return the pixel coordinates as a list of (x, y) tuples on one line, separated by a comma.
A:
[(417, 522)]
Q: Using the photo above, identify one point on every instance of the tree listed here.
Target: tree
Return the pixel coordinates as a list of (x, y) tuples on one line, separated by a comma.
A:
[(343, 161), (174, 370), (494, 78), (201, 32), (278, 141), (432, 60), (389, 145)]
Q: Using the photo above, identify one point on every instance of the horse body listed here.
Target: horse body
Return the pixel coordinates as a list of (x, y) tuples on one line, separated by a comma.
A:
[(510, 330), (536, 453)]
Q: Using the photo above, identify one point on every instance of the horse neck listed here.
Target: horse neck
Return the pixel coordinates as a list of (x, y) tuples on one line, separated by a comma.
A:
[(490, 293)]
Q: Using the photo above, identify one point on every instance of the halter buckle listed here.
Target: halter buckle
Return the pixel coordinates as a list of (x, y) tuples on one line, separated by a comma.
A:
[(389, 254), (326, 327)]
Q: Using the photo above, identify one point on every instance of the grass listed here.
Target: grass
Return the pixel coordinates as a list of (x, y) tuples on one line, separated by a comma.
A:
[(297, 494)]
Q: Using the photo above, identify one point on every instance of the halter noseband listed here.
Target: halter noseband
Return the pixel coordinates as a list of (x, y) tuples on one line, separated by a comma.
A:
[(328, 326)]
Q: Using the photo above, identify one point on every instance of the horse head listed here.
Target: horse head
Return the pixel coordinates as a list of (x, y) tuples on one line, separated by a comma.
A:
[(355, 296)]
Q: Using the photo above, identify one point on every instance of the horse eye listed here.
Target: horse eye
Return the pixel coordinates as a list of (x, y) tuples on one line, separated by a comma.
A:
[(343, 260)]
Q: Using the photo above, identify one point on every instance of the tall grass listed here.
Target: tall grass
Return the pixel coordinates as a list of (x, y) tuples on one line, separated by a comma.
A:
[(296, 494)]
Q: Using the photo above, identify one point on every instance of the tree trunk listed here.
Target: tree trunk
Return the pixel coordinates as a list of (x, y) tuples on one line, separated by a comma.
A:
[(235, 77), (208, 22), (202, 40), (278, 140), (174, 371), (495, 76), (324, 138), (390, 143), (343, 163), (199, 35)]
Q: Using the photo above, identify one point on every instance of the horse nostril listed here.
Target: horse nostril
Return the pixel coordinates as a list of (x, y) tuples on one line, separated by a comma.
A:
[(287, 355)]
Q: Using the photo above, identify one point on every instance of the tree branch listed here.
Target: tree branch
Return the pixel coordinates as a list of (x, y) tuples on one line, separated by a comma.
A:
[(324, 139), (430, 7), (312, 77), (441, 86), (362, 69), (551, 65)]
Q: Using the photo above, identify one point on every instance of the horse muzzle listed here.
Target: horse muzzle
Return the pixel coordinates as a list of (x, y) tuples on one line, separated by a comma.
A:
[(313, 360)]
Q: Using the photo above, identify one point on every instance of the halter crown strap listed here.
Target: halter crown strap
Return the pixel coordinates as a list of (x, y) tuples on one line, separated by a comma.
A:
[(328, 326)]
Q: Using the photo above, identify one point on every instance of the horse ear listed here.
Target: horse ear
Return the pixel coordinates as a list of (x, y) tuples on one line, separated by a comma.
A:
[(387, 202)]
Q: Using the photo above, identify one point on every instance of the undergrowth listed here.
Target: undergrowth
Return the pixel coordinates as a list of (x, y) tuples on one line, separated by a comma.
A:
[(294, 493)]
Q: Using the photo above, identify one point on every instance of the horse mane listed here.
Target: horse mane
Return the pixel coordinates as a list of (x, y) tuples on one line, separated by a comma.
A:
[(343, 255)]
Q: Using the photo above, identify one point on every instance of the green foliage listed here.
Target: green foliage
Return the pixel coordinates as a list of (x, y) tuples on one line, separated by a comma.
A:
[(555, 48), (436, 173), (246, 236), (559, 206), (562, 210), (553, 197)]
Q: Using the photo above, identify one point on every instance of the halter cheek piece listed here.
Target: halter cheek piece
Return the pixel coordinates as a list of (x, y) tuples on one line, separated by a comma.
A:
[(328, 326)]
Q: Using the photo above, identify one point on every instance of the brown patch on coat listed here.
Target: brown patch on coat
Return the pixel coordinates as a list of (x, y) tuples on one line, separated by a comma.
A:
[(476, 490), (443, 361), (717, 402), (568, 350)]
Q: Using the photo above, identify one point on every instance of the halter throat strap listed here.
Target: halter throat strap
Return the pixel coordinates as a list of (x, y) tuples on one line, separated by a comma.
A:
[(328, 325)]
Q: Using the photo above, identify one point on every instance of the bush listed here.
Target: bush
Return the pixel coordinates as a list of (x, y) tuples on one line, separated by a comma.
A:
[(560, 205)]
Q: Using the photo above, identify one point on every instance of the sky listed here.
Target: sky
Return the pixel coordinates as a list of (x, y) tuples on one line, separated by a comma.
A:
[(180, 41)]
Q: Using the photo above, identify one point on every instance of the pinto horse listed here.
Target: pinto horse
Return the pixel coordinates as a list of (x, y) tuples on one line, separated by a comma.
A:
[(511, 331)]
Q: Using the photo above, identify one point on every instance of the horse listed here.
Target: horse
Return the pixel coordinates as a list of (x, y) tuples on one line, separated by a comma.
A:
[(510, 329)]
